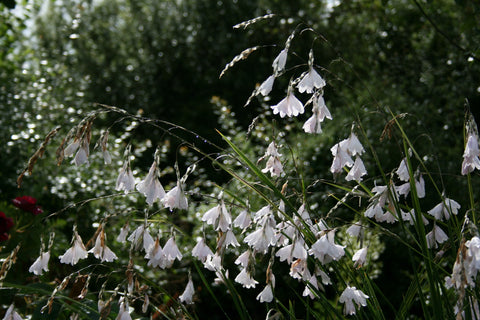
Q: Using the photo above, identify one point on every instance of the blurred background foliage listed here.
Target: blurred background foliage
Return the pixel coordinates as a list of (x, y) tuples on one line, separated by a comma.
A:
[(162, 59)]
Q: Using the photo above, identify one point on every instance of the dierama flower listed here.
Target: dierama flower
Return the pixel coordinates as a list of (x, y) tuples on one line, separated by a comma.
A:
[(470, 156), (11, 314), (444, 208), (122, 236), (402, 171), (151, 186), (310, 81), (82, 154), (437, 235), (101, 251), (41, 264), (280, 61), (76, 252), (125, 180), (245, 279), (274, 166), (187, 295), (201, 251), (123, 312), (170, 250), (289, 106), (325, 249), (351, 295), (218, 216), (320, 112), (243, 220), (156, 256), (357, 171), (141, 236), (175, 198), (359, 257), (267, 85)]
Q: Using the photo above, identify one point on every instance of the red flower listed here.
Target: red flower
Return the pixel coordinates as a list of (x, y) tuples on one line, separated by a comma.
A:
[(28, 204), (6, 223)]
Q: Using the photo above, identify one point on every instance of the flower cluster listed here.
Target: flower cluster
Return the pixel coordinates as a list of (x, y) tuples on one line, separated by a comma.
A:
[(284, 226)]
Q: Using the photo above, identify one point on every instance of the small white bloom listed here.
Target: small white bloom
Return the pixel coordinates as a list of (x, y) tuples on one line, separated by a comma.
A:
[(403, 189), (146, 303), (437, 235), (156, 256), (355, 229), (267, 85), (352, 145), (313, 124), (341, 159), (125, 180), (243, 259), (151, 186), (310, 81), (224, 218), (201, 251), (141, 238), (101, 251), (122, 236), (187, 295), (71, 148), (471, 154), (374, 211), (351, 295), (245, 279), (325, 278), (359, 257), (295, 250), (82, 154), (299, 269), (320, 112), (444, 208), (213, 262), (243, 220), (263, 237), (11, 314), (41, 264), (312, 283), (325, 250), (274, 166), (279, 62), (289, 106), (402, 171), (319, 103), (229, 239), (420, 186), (387, 217), (170, 250), (76, 252), (266, 295), (210, 217), (175, 198), (357, 172), (123, 312)]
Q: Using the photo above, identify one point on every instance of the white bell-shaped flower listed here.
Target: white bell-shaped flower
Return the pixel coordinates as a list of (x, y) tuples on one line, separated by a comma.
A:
[(351, 295), (289, 106), (151, 186), (76, 252), (41, 264)]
